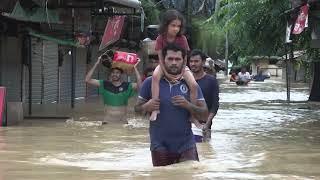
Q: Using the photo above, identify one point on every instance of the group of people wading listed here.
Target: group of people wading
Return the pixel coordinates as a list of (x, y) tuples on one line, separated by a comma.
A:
[(176, 96)]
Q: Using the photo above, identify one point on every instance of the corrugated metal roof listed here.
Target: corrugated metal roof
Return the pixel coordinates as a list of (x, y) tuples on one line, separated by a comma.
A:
[(86, 3), (36, 15)]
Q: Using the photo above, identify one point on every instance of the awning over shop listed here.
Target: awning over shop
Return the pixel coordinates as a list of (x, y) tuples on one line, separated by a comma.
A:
[(52, 4), (35, 15), (53, 39), (49, 15)]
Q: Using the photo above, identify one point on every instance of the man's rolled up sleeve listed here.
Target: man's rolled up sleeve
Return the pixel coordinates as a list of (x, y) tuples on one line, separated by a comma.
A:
[(200, 94)]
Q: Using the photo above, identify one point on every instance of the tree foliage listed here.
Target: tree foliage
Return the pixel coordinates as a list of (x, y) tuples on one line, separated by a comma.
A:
[(209, 37), (151, 10), (255, 27)]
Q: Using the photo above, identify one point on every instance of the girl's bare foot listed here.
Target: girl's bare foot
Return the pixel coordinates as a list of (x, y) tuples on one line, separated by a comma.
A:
[(154, 115)]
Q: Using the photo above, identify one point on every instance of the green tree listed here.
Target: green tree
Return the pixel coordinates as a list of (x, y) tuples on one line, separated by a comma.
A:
[(151, 10), (255, 27), (208, 36)]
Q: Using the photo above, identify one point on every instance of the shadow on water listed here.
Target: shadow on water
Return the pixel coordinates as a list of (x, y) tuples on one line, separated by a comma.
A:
[(256, 135)]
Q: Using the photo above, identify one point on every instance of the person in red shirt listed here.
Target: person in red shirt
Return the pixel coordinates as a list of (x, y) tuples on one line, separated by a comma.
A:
[(171, 31)]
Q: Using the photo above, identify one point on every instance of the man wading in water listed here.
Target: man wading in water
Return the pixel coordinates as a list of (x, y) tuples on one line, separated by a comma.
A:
[(210, 89), (170, 134), (115, 92)]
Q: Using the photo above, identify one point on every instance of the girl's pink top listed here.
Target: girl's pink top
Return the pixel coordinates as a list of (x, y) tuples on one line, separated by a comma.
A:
[(181, 41)]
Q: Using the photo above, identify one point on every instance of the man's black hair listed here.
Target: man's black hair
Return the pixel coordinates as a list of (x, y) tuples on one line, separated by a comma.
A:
[(197, 52), (173, 47), (148, 70), (117, 68)]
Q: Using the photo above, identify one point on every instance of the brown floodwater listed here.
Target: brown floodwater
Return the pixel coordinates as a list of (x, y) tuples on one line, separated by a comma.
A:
[(256, 135)]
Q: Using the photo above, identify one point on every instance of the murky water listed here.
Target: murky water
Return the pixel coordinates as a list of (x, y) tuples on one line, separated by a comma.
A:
[(254, 137)]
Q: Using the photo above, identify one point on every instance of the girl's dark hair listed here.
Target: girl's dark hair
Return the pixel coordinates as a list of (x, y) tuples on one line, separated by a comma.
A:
[(168, 17)]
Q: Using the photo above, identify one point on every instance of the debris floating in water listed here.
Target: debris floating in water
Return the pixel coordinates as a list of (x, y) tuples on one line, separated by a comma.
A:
[(83, 123)]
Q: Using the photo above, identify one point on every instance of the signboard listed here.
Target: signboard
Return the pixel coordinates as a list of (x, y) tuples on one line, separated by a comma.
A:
[(112, 31)]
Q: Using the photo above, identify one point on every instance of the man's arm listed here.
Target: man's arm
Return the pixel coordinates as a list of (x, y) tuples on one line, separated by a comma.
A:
[(215, 104), (200, 110), (136, 86), (143, 105), (89, 79), (138, 107), (209, 120)]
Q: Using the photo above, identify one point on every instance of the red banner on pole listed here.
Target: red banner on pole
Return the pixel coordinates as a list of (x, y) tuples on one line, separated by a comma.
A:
[(302, 20), (112, 31)]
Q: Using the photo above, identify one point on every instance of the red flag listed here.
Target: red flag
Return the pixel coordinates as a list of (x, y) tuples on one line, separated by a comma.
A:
[(302, 20), (112, 31)]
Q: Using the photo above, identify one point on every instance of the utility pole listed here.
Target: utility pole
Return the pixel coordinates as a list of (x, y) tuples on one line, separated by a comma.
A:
[(227, 53), (188, 20), (188, 11), (226, 45), (73, 63)]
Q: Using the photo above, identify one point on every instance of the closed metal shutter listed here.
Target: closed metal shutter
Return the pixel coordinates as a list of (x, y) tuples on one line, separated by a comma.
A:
[(36, 58), (10, 62), (65, 80), (44, 72), (81, 59), (50, 69)]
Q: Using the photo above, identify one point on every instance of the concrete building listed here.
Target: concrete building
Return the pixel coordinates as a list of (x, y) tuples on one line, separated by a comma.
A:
[(38, 41)]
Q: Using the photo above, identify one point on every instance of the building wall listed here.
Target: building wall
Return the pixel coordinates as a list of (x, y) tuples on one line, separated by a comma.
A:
[(295, 75), (274, 70), (264, 64), (261, 63)]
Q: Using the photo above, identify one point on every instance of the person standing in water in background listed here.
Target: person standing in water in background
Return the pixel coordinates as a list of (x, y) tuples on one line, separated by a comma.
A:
[(210, 89), (244, 77), (115, 92), (171, 31)]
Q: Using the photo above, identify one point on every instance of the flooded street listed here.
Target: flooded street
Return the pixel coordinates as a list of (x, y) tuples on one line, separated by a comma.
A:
[(255, 136)]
